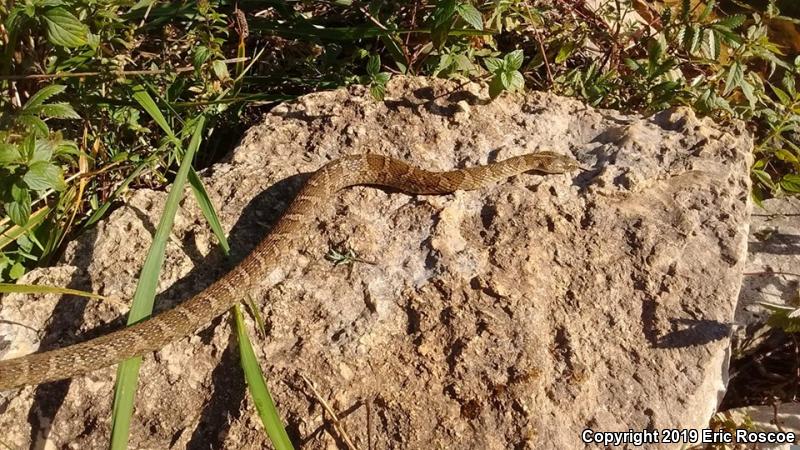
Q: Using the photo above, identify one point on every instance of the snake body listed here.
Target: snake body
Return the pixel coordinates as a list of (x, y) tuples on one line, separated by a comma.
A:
[(187, 317)]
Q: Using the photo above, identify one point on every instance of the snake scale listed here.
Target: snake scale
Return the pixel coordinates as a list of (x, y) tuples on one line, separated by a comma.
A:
[(187, 317)]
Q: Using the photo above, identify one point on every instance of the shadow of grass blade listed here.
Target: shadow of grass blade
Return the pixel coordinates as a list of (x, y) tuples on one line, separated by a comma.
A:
[(258, 387), (142, 305)]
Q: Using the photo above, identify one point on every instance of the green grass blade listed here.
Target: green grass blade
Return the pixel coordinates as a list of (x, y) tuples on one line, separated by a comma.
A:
[(142, 305), (143, 98), (258, 388), (208, 209), (12, 288), (12, 233)]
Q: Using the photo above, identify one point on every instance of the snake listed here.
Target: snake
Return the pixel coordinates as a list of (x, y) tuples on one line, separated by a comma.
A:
[(187, 317)]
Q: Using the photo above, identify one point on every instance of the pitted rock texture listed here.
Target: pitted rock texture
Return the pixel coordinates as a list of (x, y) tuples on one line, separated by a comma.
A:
[(511, 317)]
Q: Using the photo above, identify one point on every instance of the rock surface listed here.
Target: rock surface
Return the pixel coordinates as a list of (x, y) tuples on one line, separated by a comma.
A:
[(771, 273), (514, 316)]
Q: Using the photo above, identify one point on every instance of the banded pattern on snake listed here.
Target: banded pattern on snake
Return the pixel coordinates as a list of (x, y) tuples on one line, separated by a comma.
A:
[(190, 315)]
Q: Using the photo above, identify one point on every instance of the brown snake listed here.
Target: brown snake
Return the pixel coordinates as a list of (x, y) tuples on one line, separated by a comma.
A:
[(187, 317)]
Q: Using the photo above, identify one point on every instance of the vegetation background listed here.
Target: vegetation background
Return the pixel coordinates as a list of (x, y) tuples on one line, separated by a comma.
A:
[(100, 97)]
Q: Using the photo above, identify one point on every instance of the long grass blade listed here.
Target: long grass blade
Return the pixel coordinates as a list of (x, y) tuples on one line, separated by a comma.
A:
[(149, 105), (142, 305), (207, 207), (12, 233), (258, 387), (13, 288)]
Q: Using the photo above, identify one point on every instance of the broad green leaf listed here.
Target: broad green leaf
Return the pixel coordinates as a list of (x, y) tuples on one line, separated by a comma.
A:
[(43, 175), (493, 65), (517, 81), (220, 70), (471, 15), (513, 60), (373, 65), (200, 55), (64, 29), (9, 153), (442, 21), (791, 183), (496, 86), (445, 61), (34, 123), (378, 91), (43, 150), (17, 270), (19, 210)]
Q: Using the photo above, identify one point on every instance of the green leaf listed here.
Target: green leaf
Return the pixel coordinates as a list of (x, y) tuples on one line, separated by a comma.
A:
[(791, 183), (59, 111), (35, 124), (43, 150), (564, 52), (17, 270), (9, 235), (258, 387), (8, 288), (513, 60), (710, 44), (383, 77), (786, 155), (496, 86), (9, 153), (734, 79), (442, 21), (731, 22), (378, 91), (142, 304), (200, 56), (445, 60), (19, 210), (373, 65), (64, 29), (517, 82), (707, 10), (42, 95), (764, 178), (143, 98), (471, 15), (220, 70), (43, 175), (783, 97), (493, 65), (207, 207)]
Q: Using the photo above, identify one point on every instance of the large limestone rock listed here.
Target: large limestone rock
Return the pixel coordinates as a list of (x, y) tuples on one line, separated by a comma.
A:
[(514, 316)]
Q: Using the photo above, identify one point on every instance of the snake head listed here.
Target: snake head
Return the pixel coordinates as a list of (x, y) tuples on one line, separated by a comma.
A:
[(552, 162)]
